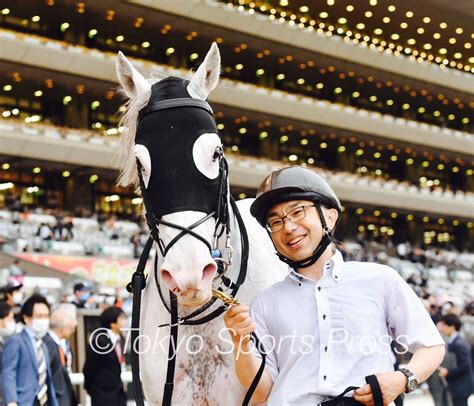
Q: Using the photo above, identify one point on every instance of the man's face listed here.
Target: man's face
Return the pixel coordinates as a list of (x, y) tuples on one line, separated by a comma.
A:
[(298, 240), (68, 330), (40, 311), (120, 324), (444, 329)]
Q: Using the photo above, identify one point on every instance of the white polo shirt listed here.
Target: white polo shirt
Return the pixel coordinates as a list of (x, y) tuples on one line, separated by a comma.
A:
[(322, 337)]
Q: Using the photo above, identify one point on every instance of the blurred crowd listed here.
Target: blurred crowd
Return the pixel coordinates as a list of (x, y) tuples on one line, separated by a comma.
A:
[(36, 351)]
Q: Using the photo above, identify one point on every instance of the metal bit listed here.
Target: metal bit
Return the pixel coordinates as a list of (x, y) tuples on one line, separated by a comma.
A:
[(228, 300)]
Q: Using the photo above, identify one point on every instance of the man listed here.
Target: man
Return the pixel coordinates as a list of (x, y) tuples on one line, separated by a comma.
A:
[(7, 328), (459, 377), (328, 324), (105, 360), (11, 293), (27, 378), (83, 296), (63, 324)]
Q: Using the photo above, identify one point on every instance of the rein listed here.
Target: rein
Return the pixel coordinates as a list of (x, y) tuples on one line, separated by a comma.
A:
[(138, 283)]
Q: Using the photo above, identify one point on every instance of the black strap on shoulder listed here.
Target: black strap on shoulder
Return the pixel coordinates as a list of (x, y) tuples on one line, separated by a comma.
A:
[(173, 345), (172, 103)]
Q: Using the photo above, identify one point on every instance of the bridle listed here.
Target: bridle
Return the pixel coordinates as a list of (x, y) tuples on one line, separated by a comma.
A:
[(223, 282)]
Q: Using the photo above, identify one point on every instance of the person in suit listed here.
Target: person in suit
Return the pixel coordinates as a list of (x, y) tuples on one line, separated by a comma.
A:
[(7, 328), (105, 360), (63, 324), (27, 378), (459, 378)]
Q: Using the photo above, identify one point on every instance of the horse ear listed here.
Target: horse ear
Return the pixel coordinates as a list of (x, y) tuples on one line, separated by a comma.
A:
[(205, 80), (131, 80)]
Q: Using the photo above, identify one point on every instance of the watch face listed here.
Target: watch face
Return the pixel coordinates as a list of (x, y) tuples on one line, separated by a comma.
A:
[(412, 383)]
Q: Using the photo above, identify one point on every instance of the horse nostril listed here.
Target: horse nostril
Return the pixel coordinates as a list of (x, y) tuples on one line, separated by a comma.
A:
[(208, 273), (170, 281)]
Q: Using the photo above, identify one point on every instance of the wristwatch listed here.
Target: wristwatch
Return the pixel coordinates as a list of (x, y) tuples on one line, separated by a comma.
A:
[(412, 381)]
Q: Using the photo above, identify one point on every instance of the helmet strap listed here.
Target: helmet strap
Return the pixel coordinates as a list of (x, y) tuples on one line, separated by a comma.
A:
[(323, 244)]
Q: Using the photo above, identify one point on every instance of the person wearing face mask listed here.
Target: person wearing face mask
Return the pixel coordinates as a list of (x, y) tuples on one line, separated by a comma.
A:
[(27, 378), (83, 296), (7, 328), (105, 360), (327, 327), (63, 323), (12, 293)]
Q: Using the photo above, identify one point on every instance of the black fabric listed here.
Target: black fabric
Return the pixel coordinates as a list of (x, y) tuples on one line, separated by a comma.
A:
[(62, 383), (169, 135), (102, 378)]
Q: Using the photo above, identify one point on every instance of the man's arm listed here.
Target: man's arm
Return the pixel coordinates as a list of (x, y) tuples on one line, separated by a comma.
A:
[(240, 325), (423, 363), (10, 358)]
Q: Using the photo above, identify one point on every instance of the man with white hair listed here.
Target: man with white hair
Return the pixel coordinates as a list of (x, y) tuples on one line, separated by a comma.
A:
[(63, 323)]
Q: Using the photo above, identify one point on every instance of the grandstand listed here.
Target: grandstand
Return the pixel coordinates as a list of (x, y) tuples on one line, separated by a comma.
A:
[(375, 95)]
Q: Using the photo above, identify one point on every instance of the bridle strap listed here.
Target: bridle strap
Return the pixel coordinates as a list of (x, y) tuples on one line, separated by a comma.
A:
[(172, 348), (173, 103), (136, 286), (184, 231)]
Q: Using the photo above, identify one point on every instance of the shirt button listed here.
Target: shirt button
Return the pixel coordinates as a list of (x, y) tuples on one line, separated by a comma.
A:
[(319, 288), (324, 377), (326, 349), (324, 317)]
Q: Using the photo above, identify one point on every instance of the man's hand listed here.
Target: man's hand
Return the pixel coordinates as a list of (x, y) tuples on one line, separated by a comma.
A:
[(238, 322), (391, 384), (443, 372)]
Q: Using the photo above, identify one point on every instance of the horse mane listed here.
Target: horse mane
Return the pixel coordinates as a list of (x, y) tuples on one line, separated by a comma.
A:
[(125, 155)]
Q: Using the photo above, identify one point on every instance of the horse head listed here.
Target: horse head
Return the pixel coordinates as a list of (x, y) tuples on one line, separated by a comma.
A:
[(172, 151)]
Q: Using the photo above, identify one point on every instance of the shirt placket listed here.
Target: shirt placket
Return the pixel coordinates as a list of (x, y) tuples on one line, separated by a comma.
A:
[(324, 321)]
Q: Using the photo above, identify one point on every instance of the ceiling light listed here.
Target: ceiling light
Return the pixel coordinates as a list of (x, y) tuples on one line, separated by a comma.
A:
[(66, 174), (170, 51), (459, 30), (304, 9), (368, 14), (38, 93), (5, 11), (35, 19), (443, 26), (6, 166), (360, 26), (395, 36), (7, 88), (420, 30), (36, 169), (436, 35), (342, 20), (386, 20), (119, 38), (64, 26), (323, 15), (373, 2), (426, 20), (350, 8), (283, 3), (409, 14), (92, 33)]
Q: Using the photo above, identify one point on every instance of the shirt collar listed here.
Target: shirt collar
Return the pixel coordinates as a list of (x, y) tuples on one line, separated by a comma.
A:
[(453, 337), (55, 337), (31, 333), (113, 337), (333, 266)]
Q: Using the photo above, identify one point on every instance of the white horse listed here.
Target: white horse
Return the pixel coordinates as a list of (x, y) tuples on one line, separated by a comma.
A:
[(205, 362)]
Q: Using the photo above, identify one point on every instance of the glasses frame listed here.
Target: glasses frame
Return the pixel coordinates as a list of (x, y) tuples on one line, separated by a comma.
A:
[(287, 217)]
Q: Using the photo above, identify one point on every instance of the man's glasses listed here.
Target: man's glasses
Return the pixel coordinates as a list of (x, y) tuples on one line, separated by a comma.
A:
[(293, 216)]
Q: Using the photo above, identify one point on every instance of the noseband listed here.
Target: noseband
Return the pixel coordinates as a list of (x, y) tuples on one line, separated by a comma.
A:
[(222, 217)]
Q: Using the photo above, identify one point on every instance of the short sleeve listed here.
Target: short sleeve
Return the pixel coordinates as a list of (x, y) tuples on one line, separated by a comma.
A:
[(408, 321), (260, 318)]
